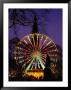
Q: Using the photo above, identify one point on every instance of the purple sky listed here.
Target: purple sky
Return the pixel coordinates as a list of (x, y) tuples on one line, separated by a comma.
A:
[(52, 25)]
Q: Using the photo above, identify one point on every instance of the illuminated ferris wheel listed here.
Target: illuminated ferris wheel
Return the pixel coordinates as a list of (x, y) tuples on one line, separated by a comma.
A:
[(31, 51)]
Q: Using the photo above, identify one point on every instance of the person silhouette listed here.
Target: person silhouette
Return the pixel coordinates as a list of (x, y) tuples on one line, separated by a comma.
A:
[(47, 71)]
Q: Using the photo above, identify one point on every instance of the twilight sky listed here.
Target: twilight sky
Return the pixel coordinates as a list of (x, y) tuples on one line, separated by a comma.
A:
[(49, 23)]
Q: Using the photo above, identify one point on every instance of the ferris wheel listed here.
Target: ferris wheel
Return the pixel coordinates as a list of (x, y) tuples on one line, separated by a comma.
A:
[(31, 51)]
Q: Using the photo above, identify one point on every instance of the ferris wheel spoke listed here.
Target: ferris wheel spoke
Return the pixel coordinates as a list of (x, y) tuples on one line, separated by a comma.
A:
[(41, 41), (33, 40), (44, 58), (37, 36), (44, 42), (26, 52), (27, 58), (29, 39), (26, 62), (27, 49), (29, 65), (53, 52), (21, 61), (52, 46), (41, 63), (48, 45)]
